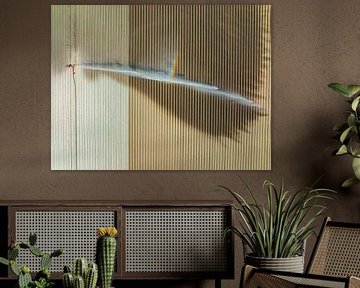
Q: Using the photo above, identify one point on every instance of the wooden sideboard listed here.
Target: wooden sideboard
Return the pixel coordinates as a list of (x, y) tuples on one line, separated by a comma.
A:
[(157, 240)]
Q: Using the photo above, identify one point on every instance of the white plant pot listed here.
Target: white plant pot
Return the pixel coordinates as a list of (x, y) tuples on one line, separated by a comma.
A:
[(291, 264)]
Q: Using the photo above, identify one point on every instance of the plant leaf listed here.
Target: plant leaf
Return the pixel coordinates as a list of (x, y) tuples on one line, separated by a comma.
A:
[(345, 134), (4, 261), (354, 145), (355, 103), (353, 89), (342, 150), (340, 88), (351, 120), (356, 167), (349, 182)]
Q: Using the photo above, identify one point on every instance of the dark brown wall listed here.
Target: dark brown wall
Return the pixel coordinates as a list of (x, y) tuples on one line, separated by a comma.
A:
[(313, 43)]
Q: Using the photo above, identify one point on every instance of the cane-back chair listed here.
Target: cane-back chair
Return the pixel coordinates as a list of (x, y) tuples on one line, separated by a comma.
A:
[(334, 263)]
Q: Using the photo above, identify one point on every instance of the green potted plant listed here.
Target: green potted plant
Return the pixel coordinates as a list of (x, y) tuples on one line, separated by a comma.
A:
[(42, 278), (275, 234), (348, 132)]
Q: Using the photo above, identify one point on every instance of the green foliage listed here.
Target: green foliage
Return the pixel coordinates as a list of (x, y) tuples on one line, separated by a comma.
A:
[(4, 261), (280, 229), (42, 278), (44, 273), (348, 132), (42, 283)]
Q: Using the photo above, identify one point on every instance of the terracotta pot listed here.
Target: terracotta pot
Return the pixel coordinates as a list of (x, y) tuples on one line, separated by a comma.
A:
[(291, 264)]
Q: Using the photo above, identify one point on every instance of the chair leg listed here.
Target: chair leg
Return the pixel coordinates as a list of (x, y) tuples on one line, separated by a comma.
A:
[(246, 273)]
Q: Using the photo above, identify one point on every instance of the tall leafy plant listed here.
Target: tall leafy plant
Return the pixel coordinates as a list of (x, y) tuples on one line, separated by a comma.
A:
[(348, 132), (279, 229)]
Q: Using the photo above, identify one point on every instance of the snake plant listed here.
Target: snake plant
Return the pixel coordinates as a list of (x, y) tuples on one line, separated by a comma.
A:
[(348, 132), (279, 228)]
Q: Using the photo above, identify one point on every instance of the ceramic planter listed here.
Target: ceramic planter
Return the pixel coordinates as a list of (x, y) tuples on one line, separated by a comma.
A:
[(291, 264)]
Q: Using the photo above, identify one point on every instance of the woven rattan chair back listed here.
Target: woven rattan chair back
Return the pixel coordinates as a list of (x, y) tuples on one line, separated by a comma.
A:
[(337, 252)]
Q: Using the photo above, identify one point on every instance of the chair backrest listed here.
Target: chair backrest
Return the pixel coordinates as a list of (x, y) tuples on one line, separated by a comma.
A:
[(337, 251)]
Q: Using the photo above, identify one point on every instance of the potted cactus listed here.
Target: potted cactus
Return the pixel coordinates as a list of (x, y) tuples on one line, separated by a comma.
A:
[(84, 275), (42, 278), (106, 254)]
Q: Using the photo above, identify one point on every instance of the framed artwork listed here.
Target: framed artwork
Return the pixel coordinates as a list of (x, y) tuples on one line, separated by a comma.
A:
[(160, 87)]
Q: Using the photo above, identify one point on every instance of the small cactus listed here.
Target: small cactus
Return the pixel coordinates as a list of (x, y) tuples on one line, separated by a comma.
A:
[(83, 274), (68, 280), (13, 253), (106, 254), (57, 252), (67, 269), (14, 268), (36, 251), (25, 269), (91, 276), (44, 273), (24, 245), (80, 268), (45, 261), (79, 282), (32, 238), (24, 278)]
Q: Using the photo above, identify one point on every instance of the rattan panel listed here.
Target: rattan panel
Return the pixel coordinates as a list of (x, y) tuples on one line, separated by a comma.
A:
[(338, 253), (175, 241), (267, 280), (75, 231), (309, 282)]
